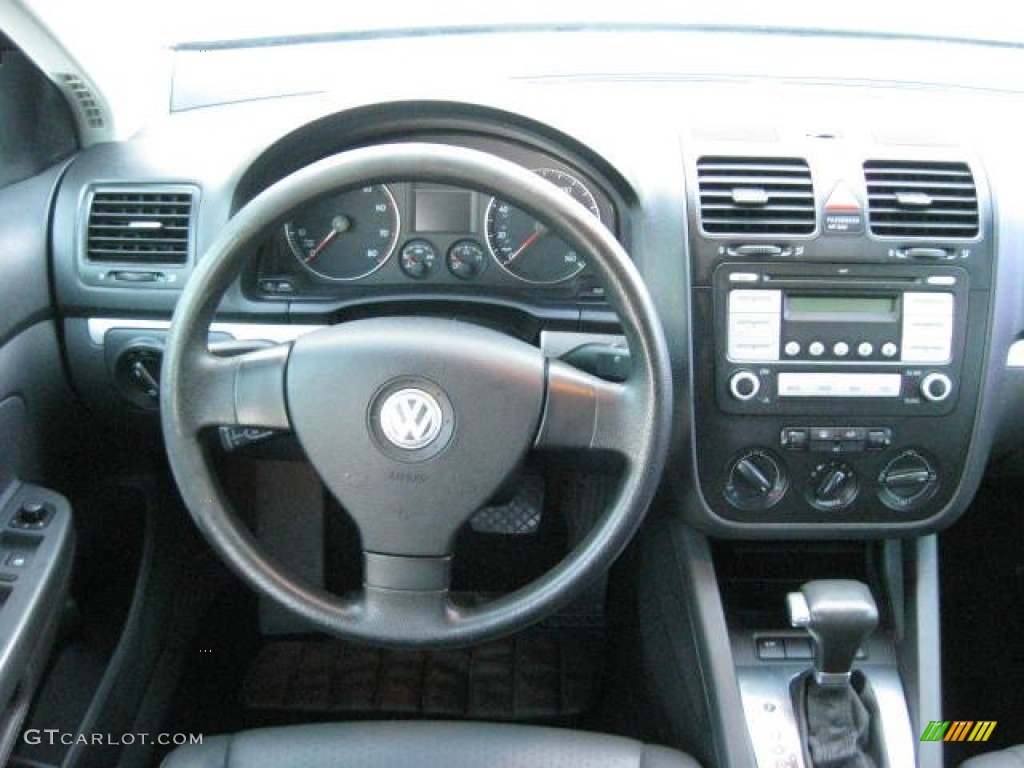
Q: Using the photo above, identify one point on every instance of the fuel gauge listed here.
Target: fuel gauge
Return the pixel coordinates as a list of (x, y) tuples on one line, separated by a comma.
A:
[(465, 259)]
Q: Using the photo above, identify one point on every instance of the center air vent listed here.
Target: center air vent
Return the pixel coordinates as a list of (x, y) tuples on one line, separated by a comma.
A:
[(755, 196), (921, 199), (140, 225)]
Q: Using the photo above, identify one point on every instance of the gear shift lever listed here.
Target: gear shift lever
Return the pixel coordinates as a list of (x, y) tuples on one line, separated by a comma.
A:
[(839, 614)]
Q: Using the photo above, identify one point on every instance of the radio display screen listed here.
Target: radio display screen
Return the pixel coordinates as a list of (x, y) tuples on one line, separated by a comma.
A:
[(840, 308)]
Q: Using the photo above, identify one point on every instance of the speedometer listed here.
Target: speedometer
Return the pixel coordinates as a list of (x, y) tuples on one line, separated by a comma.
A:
[(347, 236), (525, 247)]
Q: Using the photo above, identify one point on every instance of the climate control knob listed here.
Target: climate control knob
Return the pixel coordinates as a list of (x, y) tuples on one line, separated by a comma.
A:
[(936, 387), (755, 481), (907, 481), (744, 385), (832, 486)]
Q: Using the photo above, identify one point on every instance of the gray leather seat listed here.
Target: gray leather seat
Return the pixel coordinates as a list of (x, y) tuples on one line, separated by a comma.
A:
[(423, 745), (1011, 757)]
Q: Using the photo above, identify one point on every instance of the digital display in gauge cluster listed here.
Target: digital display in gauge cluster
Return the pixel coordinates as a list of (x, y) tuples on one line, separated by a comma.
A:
[(415, 234), (440, 209)]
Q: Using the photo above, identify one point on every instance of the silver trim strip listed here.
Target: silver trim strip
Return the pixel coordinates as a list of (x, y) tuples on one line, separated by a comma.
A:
[(1015, 358), (279, 333), (774, 734), (771, 721), (554, 343)]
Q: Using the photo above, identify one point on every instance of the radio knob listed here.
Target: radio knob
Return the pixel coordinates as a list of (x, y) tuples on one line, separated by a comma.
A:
[(744, 385), (936, 387)]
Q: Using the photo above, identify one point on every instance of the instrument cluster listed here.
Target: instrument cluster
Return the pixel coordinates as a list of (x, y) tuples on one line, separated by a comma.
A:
[(404, 235)]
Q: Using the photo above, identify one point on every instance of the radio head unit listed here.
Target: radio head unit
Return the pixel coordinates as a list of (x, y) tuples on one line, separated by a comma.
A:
[(794, 336)]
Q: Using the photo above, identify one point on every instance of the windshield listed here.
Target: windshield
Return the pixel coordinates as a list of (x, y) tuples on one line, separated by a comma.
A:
[(203, 21)]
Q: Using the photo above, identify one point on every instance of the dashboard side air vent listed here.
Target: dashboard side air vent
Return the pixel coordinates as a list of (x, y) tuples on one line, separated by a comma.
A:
[(921, 199), (756, 196), (140, 225)]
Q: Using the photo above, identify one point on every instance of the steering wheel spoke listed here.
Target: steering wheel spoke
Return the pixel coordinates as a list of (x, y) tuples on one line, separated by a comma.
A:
[(582, 411), (399, 589), (407, 573), (243, 390)]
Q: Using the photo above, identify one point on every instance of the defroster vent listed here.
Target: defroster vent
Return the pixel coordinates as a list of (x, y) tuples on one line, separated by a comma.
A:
[(921, 199), (756, 196), (140, 225)]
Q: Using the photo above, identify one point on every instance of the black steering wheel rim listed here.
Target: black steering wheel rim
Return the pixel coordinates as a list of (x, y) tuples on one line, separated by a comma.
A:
[(386, 612)]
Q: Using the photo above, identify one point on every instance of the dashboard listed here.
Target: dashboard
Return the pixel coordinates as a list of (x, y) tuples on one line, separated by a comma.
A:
[(835, 262)]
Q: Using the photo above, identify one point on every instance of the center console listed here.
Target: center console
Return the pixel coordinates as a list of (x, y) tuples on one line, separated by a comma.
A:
[(775, 656), (840, 309), (840, 321)]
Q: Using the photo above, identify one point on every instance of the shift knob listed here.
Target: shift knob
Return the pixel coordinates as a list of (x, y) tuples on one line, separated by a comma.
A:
[(839, 614)]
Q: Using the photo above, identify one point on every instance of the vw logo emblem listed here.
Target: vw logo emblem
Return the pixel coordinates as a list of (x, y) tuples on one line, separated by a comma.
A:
[(411, 419)]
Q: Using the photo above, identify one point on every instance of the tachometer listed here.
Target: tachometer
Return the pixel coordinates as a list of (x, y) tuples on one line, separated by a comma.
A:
[(524, 247), (346, 236)]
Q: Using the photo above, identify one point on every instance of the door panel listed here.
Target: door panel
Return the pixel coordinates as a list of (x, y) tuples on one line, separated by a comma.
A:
[(36, 533)]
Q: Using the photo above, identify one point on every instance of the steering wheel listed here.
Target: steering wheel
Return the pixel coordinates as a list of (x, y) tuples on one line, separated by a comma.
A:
[(413, 423)]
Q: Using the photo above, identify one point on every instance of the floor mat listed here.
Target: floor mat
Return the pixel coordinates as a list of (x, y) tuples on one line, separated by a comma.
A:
[(982, 580), (541, 674)]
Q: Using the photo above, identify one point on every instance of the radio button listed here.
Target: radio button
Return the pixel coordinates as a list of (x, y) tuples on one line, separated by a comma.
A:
[(755, 300), (744, 385), (841, 349), (936, 387), (816, 348), (927, 327), (865, 349), (889, 349), (793, 348), (743, 277)]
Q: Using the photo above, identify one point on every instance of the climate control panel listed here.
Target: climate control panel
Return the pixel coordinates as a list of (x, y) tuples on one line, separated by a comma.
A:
[(828, 470)]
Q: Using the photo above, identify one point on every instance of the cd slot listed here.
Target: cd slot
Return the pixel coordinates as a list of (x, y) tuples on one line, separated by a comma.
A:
[(847, 282)]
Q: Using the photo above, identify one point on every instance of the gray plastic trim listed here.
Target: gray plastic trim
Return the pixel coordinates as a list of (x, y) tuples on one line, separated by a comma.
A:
[(278, 333), (38, 591), (558, 343)]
